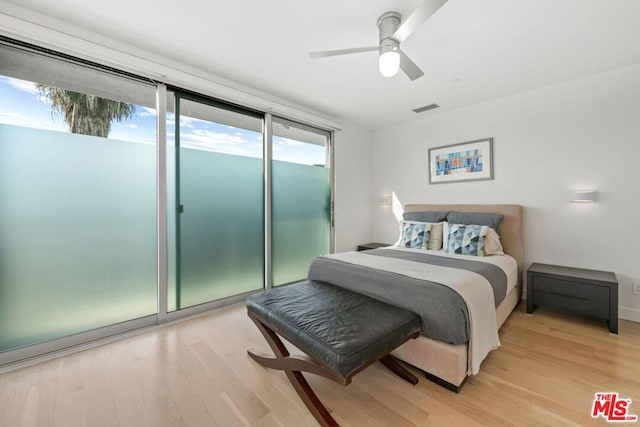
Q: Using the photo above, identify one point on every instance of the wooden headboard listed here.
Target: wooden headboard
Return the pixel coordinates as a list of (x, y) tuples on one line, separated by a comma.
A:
[(510, 229)]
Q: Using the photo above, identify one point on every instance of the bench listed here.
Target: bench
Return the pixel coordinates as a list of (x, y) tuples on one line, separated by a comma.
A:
[(341, 331)]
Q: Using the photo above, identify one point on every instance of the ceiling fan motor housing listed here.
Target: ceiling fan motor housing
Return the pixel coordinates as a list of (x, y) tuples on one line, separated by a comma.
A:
[(388, 23)]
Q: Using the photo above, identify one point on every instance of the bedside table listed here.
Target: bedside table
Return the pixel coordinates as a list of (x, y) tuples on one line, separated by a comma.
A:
[(367, 246), (587, 292)]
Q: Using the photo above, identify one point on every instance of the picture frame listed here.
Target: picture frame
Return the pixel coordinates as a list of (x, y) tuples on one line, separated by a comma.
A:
[(464, 161)]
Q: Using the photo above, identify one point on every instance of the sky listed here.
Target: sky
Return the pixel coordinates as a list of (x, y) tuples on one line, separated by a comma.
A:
[(21, 104)]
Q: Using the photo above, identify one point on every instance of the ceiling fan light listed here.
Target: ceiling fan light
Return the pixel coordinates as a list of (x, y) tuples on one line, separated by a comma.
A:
[(389, 63)]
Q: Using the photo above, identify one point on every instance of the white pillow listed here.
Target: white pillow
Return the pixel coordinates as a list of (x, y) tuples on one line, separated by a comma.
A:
[(436, 236), (492, 245), (445, 236)]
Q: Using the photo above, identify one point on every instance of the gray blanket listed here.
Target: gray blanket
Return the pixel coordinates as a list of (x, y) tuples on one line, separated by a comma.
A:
[(443, 312)]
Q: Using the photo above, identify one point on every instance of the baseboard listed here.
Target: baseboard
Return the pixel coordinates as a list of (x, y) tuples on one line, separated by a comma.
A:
[(627, 313)]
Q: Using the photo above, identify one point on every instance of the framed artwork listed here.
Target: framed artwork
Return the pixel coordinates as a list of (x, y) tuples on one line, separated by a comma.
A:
[(465, 161)]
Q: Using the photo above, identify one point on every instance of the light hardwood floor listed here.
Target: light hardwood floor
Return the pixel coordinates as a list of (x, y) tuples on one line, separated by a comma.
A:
[(197, 373)]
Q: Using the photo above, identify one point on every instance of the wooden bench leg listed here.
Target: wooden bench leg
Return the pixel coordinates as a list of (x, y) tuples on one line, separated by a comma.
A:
[(294, 366), (284, 362), (310, 399), (393, 365)]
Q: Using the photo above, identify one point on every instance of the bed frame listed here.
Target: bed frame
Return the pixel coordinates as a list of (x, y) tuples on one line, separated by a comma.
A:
[(446, 364)]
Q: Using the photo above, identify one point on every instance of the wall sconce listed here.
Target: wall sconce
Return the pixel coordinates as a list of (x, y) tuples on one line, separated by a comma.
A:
[(385, 200), (583, 196)]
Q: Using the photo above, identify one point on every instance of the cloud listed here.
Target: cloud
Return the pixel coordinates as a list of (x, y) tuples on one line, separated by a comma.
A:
[(145, 112), (24, 121), (132, 126), (22, 85), (185, 121), (286, 141), (44, 100), (219, 142), (206, 137)]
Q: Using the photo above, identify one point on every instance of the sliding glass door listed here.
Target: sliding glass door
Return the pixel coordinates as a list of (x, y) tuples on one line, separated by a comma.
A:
[(77, 202), (301, 199), (124, 205), (218, 199)]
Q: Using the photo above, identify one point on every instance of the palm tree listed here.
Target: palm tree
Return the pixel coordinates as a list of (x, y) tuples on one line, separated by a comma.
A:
[(86, 114)]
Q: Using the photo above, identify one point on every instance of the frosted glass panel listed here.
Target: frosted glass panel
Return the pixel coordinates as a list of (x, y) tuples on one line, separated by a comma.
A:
[(78, 247), (301, 200), (300, 218), (221, 225), (77, 233)]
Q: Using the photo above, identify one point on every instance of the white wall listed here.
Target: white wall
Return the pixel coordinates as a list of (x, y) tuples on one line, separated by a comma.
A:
[(353, 203), (581, 134)]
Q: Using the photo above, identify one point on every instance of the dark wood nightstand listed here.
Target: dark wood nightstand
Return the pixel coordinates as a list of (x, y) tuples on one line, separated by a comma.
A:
[(367, 246), (588, 292)]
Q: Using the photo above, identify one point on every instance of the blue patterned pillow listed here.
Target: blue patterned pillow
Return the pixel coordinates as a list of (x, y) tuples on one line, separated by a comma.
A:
[(467, 239), (414, 234)]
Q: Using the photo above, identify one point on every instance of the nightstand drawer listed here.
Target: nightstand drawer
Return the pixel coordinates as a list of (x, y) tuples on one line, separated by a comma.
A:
[(574, 304), (571, 289)]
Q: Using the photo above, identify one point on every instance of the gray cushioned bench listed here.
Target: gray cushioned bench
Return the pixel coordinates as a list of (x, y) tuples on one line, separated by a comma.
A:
[(343, 332)]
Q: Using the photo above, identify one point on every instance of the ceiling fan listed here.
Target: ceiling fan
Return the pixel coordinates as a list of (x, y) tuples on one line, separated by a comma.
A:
[(393, 32)]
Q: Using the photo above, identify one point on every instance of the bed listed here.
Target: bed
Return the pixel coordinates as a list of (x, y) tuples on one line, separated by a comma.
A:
[(446, 358)]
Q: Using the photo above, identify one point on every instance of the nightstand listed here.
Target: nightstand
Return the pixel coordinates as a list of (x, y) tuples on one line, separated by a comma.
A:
[(367, 246), (591, 293)]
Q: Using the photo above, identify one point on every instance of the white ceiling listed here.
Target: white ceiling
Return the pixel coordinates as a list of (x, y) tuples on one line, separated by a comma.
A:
[(494, 47)]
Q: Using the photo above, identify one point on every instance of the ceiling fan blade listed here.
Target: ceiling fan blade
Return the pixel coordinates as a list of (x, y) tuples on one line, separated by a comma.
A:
[(325, 53), (413, 22), (409, 67)]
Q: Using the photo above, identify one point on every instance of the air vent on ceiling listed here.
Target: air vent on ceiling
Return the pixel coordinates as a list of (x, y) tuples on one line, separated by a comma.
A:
[(426, 108)]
